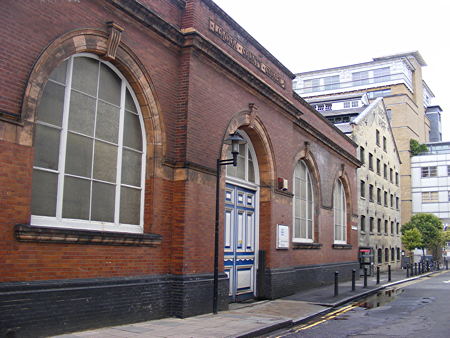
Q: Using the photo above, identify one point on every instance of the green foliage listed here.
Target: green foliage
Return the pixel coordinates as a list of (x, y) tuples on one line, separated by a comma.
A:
[(416, 148), (430, 228), (411, 239)]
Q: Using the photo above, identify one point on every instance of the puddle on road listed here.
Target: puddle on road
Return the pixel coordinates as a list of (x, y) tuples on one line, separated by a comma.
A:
[(381, 298)]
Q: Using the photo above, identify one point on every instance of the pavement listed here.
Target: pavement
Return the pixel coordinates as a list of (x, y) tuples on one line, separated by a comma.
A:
[(255, 318)]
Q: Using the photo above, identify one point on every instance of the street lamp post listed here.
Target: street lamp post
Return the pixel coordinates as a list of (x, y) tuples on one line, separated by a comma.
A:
[(234, 140)]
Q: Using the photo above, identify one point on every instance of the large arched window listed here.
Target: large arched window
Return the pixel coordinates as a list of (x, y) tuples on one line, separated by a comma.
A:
[(89, 150), (246, 166), (303, 204), (340, 227)]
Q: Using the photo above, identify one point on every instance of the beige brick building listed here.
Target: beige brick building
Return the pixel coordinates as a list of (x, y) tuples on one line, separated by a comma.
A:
[(396, 78)]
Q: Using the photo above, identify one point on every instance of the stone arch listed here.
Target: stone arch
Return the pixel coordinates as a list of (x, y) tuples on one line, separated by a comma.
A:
[(95, 42), (342, 175), (307, 156)]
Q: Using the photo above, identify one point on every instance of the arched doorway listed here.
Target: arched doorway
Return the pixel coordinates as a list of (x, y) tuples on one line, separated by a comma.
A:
[(241, 235)]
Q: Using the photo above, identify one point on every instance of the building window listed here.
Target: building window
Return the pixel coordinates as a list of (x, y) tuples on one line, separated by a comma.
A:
[(392, 227), (429, 171), (363, 189), (371, 224), (363, 223), (385, 199), (449, 196), (379, 93), (362, 155), (360, 78), (347, 104), (312, 85), (303, 204), (371, 192), (396, 203), (380, 256), (331, 82), (370, 161), (448, 170), (328, 106), (377, 137), (386, 255), (339, 213), (378, 166), (379, 196), (384, 144), (385, 171), (89, 164), (391, 175), (397, 182), (245, 169), (386, 226), (355, 104), (398, 254), (389, 114), (430, 196), (379, 225), (381, 75), (397, 228), (392, 201), (392, 254)]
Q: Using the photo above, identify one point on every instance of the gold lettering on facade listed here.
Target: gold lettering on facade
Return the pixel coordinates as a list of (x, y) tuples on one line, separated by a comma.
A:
[(246, 53)]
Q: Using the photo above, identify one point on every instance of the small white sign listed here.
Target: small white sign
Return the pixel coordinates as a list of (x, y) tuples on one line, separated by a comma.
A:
[(354, 228), (282, 236)]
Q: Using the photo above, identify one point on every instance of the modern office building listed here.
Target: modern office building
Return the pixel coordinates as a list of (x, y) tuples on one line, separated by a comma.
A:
[(434, 115), (431, 181), (398, 79)]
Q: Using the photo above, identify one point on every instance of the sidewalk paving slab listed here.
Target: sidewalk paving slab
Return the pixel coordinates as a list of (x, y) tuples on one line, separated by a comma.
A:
[(252, 319)]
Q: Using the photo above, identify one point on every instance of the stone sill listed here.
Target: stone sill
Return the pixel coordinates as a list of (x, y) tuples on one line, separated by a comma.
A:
[(342, 246), (306, 246), (29, 233)]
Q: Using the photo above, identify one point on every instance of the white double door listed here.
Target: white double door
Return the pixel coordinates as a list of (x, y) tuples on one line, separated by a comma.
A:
[(240, 239)]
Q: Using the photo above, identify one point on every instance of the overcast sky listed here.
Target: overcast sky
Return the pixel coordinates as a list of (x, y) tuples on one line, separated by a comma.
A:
[(308, 35)]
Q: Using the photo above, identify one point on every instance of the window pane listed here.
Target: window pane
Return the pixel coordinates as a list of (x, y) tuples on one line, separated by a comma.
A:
[(59, 73), (302, 228), (309, 229), (240, 167), (132, 136), (44, 189), (46, 143), (129, 103), (103, 200), (82, 113), (76, 198), (131, 168), (85, 75), (109, 88), (251, 168), (51, 106), (107, 127), (78, 155), (130, 200), (297, 228), (105, 162)]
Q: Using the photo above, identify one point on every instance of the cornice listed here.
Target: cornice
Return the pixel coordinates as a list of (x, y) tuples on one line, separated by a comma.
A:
[(327, 141), (196, 40), (150, 19)]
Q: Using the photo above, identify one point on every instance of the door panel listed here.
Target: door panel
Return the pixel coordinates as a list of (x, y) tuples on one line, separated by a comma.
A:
[(239, 255)]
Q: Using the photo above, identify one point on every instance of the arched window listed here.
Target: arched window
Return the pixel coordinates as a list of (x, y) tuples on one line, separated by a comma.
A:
[(380, 256), (245, 169), (89, 150), (398, 254), (392, 254), (386, 255), (303, 204), (340, 227)]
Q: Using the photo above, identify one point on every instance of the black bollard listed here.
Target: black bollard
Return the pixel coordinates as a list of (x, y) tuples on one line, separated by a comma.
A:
[(336, 287), (446, 264), (353, 280), (389, 273), (407, 270), (428, 266), (378, 275), (415, 269), (365, 278)]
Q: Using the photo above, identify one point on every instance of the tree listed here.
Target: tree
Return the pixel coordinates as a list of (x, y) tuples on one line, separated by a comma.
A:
[(416, 148), (411, 239), (431, 230)]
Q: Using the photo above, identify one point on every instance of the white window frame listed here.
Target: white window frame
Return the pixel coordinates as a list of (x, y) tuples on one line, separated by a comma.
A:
[(116, 226), (309, 199), (430, 196), (339, 192)]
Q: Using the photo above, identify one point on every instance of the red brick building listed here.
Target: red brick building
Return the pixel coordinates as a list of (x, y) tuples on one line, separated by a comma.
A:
[(112, 116)]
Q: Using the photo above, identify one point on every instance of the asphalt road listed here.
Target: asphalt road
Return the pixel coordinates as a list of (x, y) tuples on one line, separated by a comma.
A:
[(419, 308)]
